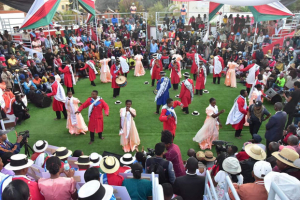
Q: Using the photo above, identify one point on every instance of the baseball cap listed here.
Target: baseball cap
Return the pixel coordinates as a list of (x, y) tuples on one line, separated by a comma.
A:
[(258, 103), (261, 169)]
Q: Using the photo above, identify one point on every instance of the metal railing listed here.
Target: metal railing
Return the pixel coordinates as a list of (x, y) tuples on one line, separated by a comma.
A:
[(209, 190), (229, 184), (275, 190)]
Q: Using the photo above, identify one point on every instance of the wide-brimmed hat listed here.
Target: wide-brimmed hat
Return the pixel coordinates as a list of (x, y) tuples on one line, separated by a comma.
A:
[(109, 164), (196, 113), (255, 152), (40, 146), (146, 82), (94, 190), (288, 184), (287, 156), (209, 156), (268, 68), (83, 160), (95, 158), (232, 165), (62, 152), (205, 91), (18, 162), (177, 96), (118, 102), (127, 159), (162, 72), (261, 169), (200, 155)]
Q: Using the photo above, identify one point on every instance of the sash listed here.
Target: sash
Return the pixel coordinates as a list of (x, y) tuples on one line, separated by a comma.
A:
[(71, 71), (217, 65), (189, 86), (40, 160), (171, 112), (251, 76), (92, 66), (153, 63), (104, 65), (204, 72), (91, 107), (235, 116), (72, 110), (126, 116), (163, 87), (124, 65), (60, 94)]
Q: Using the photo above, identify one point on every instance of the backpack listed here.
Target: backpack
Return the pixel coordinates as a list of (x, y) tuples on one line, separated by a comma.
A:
[(158, 169)]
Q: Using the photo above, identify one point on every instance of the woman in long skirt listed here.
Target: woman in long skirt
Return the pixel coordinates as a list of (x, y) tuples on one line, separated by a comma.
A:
[(210, 129), (75, 123), (230, 75), (105, 75), (139, 69), (129, 136)]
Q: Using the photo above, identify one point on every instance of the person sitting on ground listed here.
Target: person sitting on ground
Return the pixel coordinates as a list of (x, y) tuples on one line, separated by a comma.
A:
[(191, 186), (157, 162), (245, 191), (279, 83), (138, 188), (16, 190), (57, 187), (20, 110)]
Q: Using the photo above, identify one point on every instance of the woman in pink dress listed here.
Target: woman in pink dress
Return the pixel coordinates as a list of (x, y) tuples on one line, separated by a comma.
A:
[(105, 75), (75, 123), (56, 187), (210, 129), (230, 76), (139, 69), (129, 136)]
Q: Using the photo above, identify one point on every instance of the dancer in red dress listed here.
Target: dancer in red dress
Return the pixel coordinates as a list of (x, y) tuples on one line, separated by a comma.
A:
[(96, 104), (115, 71), (156, 67), (201, 78), (168, 116), (187, 92), (218, 68), (195, 57), (59, 99), (174, 66), (69, 79), (92, 70)]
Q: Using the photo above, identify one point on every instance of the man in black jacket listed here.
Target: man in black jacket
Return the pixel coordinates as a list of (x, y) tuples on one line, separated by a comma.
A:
[(191, 186)]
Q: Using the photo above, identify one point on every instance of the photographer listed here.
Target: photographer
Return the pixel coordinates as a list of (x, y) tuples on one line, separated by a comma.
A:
[(292, 102), (160, 166), (7, 146), (20, 110)]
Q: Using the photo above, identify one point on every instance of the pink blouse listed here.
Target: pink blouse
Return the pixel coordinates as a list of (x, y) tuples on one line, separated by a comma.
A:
[(60, 188)]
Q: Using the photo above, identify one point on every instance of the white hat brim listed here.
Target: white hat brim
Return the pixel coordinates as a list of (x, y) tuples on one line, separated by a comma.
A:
[(118, 103), (109, 171), (42, 150), (108, 191), (196, 114), (9, 167), (128, 162), (65, 156)]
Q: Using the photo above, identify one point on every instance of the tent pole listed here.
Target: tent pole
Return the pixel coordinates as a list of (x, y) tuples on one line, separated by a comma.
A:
[(50, 38), (254, 37), (97, 30)]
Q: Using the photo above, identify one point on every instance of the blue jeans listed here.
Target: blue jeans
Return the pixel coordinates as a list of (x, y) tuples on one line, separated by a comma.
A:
[(278, 87)]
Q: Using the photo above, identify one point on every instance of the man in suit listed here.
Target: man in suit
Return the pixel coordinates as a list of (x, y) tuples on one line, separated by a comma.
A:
[(190, 186), (275, 126)]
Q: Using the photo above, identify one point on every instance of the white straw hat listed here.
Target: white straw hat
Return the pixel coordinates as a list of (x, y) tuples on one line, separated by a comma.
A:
[(255, 152), (127, 159), (109, 164), (18, 162), (62, 153), (95, 158), (40, 146), (94, 190), (83, 160)]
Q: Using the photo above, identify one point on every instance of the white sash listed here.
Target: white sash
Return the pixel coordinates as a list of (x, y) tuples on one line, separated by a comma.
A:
[(189, 86), (251, 76), (60, 93), (235, 116), (72, 74), (153, 63), (217, 65), (92, 66), (171, 110), (28, 84), (204, 72), (126, 116), (91, 107), (72, 110), (124, 65), (163, 87)]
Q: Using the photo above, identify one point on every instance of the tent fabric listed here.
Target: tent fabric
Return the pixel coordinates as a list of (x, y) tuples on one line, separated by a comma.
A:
[(88, 5), (23, 5), (40, 14), (243, 2), (213, 9), (90, 17)]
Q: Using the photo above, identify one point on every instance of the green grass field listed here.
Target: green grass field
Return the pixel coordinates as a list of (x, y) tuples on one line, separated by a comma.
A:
[(42, 126)]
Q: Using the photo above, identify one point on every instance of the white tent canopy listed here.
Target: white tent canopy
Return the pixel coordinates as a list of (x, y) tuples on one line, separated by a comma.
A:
[(244, 2)]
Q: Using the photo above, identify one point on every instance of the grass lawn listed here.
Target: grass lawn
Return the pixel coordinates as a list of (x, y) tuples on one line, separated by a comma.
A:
[(42, 126)]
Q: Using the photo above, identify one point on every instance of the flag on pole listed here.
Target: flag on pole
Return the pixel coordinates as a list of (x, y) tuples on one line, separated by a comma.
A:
[(90, 17), (40, 14), (88, 5)]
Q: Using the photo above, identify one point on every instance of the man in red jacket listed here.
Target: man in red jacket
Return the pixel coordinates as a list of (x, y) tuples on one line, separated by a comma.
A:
[(195, 57), (69, 79), (174, 66), (96, 104), (168, 116), (253, 69), (92, 70), (218, 68), (187, 92), (59, 99), (115, 71)]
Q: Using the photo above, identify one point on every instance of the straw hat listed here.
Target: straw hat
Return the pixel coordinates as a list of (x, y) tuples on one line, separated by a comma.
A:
[(177, 96), (109, 164), (40, 146), (209, 156), (146, 82), (83, 160), (255, 152), (93, 190), (200, 155), (232, 165), (62, 152), (95, 158), (118, 102), (127, 159), (195, 113), (18, 162), (186, 74), (287, 156)]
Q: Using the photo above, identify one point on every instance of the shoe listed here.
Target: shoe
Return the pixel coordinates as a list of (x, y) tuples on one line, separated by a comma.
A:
[(90, 142)]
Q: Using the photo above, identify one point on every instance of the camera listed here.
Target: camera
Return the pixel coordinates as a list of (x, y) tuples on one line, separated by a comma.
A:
[(150, 152), (221, 146), (25, 135)]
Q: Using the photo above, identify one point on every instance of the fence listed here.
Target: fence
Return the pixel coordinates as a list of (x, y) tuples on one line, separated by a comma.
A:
[(209, 193), (276, 190)]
